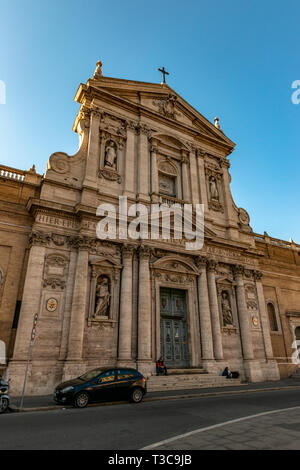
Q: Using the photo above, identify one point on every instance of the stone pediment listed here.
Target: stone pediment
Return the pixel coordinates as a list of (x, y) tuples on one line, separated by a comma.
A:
[(157, 99)]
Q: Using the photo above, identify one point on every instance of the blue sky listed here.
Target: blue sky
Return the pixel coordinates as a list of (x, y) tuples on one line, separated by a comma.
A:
[(235, 60)]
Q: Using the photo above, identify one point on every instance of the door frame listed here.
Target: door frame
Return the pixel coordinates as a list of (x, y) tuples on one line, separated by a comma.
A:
[(192, 317), (183, 320)]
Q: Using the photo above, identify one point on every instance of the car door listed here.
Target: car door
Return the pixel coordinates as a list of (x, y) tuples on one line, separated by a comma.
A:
[(124, 380), (104, 387)]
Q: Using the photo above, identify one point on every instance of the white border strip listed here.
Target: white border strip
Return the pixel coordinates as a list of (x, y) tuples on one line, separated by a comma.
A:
[(208, 428)]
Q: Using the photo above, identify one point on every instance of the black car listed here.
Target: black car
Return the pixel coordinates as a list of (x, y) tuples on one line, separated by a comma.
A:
[(102, 385)]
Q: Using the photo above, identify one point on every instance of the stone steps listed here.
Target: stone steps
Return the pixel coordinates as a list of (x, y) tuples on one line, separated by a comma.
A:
[(188, 381), (295, 375), (186, 371)]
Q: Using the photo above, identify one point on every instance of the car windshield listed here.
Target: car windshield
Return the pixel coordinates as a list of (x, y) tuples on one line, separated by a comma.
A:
[(91, 374)]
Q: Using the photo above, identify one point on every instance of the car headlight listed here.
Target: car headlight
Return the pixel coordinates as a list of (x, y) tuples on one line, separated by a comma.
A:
[(67, 389)]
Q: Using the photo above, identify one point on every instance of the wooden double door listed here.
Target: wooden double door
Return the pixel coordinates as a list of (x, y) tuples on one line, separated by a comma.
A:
[(173, 328)]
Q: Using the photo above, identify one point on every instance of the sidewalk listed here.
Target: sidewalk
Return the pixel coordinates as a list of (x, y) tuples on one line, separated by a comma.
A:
[(273, 430), (43, 403)]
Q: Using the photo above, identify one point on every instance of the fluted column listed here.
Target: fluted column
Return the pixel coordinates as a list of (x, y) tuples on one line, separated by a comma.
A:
[(205, 320), (125, 326), (79, 304), (243, 313), (263, 315), (144, 307), (214, 309)]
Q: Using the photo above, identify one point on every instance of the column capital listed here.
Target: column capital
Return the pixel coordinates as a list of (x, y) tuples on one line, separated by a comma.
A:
[(131, 125), (238, 270), (81, 242), (127, 250), (257, 275), (212, 265), (200, 153), (144, 130), (39, 238), (145, 251), (96, 113), (201, 261)]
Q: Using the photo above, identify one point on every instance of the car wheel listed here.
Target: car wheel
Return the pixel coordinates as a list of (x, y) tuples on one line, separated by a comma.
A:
[(81, 400), (4, 405), (136, 395)]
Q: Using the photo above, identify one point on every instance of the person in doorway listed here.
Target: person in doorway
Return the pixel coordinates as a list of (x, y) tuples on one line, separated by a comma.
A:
[(227, 373), (161, 367)]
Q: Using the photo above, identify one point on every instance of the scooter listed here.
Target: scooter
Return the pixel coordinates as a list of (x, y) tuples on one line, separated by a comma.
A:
[(4, 398)]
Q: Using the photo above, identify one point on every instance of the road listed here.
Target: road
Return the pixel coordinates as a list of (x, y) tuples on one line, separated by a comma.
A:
[(129, 426)]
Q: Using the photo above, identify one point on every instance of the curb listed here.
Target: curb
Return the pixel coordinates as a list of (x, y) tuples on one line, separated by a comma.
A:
[(14, 409)]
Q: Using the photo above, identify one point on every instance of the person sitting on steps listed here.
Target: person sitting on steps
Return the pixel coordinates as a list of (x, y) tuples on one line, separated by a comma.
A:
[(227, 373), (161, 367)]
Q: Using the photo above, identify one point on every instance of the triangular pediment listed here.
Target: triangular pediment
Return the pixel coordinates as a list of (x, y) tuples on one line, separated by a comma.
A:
[(157, 99)]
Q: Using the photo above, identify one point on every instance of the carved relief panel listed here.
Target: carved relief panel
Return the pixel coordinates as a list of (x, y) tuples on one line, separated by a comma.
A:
[(252, 305), (55, 271)]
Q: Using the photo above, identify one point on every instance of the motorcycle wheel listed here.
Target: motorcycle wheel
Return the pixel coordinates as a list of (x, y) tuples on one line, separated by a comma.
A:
[(4, 405)]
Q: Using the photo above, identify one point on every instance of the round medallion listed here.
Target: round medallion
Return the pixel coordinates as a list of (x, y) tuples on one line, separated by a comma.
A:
[(255, 321), (51, 305)]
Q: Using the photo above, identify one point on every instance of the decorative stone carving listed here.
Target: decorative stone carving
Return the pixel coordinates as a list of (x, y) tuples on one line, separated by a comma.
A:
[(238, 270), (144, 129), (166, 106), (257, 275), (39, 238), (244, 220), (110, 174), (59, 163), (98, 71), (55, 271), (212, 265), (251, 298), (58, 240), (201, 261)]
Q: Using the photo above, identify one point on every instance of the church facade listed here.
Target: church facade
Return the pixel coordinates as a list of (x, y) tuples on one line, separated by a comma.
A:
[(124, 302)]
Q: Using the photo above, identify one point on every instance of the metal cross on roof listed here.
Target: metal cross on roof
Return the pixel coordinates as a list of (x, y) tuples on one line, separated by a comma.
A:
[(164, 72)]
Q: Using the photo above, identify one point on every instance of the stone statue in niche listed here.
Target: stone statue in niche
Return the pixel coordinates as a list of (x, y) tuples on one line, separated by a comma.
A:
[(226, 309), (102, 297), (214, 194), (110, 155)]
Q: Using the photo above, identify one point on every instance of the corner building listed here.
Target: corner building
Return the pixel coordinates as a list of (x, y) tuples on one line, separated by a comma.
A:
[(126, 302)]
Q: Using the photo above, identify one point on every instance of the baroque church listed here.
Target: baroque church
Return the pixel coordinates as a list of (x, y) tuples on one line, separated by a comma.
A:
[(107, 303)]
